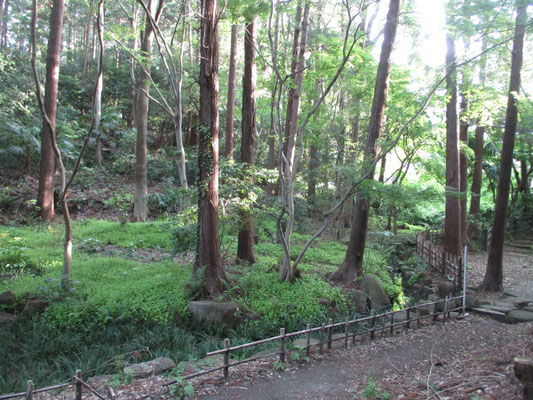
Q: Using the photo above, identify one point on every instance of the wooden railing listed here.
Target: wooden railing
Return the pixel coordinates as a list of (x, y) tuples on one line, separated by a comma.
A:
[(448, 265), (350, 329), (372, 325)]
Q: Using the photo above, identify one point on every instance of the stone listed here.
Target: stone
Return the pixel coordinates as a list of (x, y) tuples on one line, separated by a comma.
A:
[(424, 309), (501, 307), (445, 288), (35, 305), (421, 291), (358, 300), (517, 316), (528, 308), (324, 302), (141, 370), (406, 277), (427, 281), (376, 294), (471, 302), (162, 364), (433, 297), (6, 318), (8, 299), (212, 312), (499, 316)]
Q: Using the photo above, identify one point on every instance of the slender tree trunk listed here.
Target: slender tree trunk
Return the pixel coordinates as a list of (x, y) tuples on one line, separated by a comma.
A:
[(5, 18), (1, 19), (353, 261), (245, 245), (140, 206), (287, 272), (493, 279), (313, 166), (463, 164), (473, 230), (477, 174), (208, 252), (230, 105), (182, 164), (45, 195), (452, 223), (98, 96), (272, 158)]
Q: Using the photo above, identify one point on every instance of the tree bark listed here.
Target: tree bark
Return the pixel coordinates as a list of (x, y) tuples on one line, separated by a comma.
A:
[(493, 279), (45, 195), (477, 173), (272, 153), (245, 245), (140, 206), (1, 19), (5, 18), (353, 260), (98, 96), (230, 105), (463, 165), (287, 271), (208, 252), (452, 221)]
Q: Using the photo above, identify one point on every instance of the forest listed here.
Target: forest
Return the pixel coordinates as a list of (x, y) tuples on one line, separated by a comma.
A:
[(266, 154)]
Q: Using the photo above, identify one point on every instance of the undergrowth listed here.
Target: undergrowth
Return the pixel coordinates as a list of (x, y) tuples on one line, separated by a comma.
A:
[(128, 297)]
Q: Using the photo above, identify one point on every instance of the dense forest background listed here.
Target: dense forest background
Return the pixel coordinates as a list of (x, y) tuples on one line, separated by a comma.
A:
[(263, 143)]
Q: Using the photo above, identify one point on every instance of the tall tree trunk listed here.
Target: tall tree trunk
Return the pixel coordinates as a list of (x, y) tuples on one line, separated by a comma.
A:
[(311, 186), (287, 272), (245, 245), (230, 105), (45, 195), (1, 19), (493, 279), (272, 158), (140, 206), (473, 230), (477, 173), (463, 164), (5, 18), (98, 95), (353, 260), (208, 252), (452, 222)]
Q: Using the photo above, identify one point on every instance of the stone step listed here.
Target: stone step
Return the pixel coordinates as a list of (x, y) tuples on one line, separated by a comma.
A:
[(497, 315)]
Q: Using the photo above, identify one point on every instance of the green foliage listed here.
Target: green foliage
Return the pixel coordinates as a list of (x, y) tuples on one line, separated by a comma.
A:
[(181, 389), (374, 392), (280, 302)]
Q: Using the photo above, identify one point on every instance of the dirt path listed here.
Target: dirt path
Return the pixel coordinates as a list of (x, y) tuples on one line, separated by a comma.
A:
[(459, 359), (469, 358)]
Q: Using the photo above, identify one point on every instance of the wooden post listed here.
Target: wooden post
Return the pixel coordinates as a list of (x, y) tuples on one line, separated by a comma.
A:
[(443, 266), (346, 332), (408, 322), (392, 323), (330, 332), (308, 345), (78, 384), (322, 331), (435, 312), (447, 307), (372, 325), (282, 345), (29, 391), (417, 316), (523, 369), (226, 359)]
